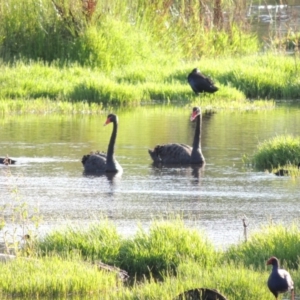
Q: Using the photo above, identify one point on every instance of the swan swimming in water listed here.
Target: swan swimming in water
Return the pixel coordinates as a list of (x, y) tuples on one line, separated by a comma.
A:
[(181, 153), (101, 163)]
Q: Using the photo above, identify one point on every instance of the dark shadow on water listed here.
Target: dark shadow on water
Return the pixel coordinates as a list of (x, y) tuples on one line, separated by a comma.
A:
[(111, 177), (195, 171)]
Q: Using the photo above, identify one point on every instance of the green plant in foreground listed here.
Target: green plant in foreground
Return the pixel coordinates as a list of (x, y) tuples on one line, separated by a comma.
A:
[(53, 277), (272, 240), (99, 241), (177, 255), (278, 151), (163, 248)]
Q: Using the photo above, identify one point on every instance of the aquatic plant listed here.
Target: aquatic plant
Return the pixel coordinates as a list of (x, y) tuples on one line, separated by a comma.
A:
[(277, 152)]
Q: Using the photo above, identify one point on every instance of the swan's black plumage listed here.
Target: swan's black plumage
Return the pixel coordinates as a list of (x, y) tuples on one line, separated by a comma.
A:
[(284, 172), (181, 153), (200, 83), (7, 161), (100, 163)]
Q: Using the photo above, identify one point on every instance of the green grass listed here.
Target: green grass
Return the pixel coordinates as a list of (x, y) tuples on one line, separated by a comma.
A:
[(180, 257), (97, 242), (277, 152), (53, 277), (136, 53), (113, 33), (237, 78), (280, 241), (163, 248)]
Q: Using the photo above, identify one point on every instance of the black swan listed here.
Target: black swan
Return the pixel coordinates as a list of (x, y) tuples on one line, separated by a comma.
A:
[(7, 161), (181, 153), (100, 163), (280, 280), (283, 172), (200, 83)]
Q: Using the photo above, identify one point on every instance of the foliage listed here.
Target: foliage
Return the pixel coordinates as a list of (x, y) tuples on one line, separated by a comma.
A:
[(163, 248), (238, 272), (278, 151), (111, 34), (99, 241), (254, 77), (53, 278), (271, 240)]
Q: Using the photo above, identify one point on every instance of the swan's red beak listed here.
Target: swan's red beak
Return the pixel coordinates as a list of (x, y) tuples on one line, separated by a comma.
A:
[(107, 121), (194, 115)]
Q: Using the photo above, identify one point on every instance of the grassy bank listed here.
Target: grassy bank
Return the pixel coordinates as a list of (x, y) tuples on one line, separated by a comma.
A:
[(64, 263), (113, 53), (251, 77)]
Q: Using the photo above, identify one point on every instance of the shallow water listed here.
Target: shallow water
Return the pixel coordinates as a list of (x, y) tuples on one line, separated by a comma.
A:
[(48, 175), (270, 19)]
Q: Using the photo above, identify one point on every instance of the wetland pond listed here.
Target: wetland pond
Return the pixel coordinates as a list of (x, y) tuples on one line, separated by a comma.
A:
[(48, 175)]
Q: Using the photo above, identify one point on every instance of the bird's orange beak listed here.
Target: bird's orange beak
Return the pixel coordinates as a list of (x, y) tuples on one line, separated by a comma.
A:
[(107, 122)]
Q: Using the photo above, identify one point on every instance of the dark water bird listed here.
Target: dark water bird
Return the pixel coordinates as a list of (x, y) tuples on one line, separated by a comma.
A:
[(7, 161), (181, 153), (200, 83), (101, 163), (280, 280), (201, 294), (284, 172)]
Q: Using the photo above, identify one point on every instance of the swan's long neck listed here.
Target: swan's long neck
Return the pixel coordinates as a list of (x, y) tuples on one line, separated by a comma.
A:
[(197, 136), (111, 145)]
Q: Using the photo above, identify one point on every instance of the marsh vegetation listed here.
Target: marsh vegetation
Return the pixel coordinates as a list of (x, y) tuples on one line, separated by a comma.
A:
[(65, 58)]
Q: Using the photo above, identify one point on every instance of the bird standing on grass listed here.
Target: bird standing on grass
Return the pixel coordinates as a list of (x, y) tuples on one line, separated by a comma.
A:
[(200, 83), (280, 280)]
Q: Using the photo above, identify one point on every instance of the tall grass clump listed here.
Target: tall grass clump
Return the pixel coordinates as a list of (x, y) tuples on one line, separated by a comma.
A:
[(99, 241), (271, 240), (163, 248), (114, 33), (278, 151), (54, 278)]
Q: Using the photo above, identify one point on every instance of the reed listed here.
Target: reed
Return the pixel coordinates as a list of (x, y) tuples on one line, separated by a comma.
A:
[(113, 33), (277, 152)]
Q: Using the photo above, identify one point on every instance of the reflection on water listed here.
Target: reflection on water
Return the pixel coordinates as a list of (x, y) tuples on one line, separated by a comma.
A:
[(270, 19), (49, 175)]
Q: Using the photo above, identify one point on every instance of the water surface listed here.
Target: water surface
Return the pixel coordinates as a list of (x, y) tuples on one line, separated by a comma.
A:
[(49, 176)]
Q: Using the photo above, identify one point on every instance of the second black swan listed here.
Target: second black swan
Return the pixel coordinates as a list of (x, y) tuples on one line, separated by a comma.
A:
[(181, 153), (100, 163), (200, 83)]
